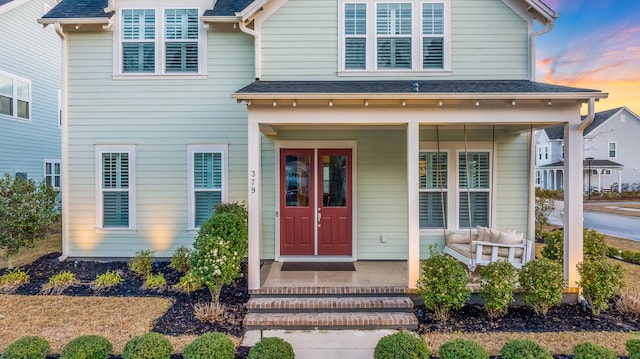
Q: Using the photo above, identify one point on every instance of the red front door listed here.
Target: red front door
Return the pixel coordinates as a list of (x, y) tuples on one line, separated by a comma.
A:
[(315, 202)]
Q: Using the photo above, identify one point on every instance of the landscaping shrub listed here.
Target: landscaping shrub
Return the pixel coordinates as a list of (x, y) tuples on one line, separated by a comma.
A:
[(148, 346), (542, 282), (180, 259), (220, 248), (630, 256), (544, 206), (155, 281), (633, 348), (142, 263), (401, 345), (524, 349), (592, 351), (210, 346), (212, 312), (594, 245), (460, 348), (600, 282), (59, 282), (499, 281), (12, 280), (628, 301), (443, 284), (107, 280), (87, 347), (271, 348), (187, 284), (29, 347)]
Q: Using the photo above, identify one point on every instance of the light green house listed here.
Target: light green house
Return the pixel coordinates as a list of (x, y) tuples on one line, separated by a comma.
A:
[(354, 129)]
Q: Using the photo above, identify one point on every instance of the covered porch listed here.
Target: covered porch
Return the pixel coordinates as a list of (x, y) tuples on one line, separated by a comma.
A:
[(369, 120)]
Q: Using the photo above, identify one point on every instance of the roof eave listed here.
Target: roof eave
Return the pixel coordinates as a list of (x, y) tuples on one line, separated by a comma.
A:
[(220, 19), (424, 96), (543, 9), (75, 21)]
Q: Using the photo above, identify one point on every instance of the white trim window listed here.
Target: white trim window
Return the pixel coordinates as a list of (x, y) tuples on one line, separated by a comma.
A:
[(538, 178), (612, 148), (394, 36), (115, 174), (207, 181), (15, 96), (562, 149), (52, 173), (546, 152), (161, 41), (452, 194), (540, 153)]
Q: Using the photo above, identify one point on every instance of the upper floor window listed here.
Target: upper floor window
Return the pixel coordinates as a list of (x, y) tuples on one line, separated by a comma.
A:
[(562, 149), (161, 41), (408, 35), (613, 149), (539, 153), (15, 96)]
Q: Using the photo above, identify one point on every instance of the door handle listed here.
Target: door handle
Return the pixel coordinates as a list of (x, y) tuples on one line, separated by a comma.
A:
[(319, 219)]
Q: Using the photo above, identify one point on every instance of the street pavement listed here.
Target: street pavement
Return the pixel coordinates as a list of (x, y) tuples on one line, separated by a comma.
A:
[(611, 224)]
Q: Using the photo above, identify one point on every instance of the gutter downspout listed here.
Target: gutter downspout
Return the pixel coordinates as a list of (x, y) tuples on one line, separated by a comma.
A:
[(532, 47), (65, 141), (591, 115), (257, 47)]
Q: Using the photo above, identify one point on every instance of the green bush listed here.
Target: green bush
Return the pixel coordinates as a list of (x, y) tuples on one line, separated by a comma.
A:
[(87, 347), (142, 263), (107, 279), (187, 284), (542, 282), (210, 346), (443, 284), (401, 345), (499, 281), (271, 348), (29, 347), (544, 206), (155, 281), (592, 351), (220, 248), (630, 256), (594, 245), (12, 279), (59, 282), (148, 346), (180, 259), (600, 281), (460, 348), (633, 348), (524, 349)]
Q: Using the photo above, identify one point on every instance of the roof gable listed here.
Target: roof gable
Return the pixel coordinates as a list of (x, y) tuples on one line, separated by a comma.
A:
[(228, 7), (600, 118), (555, 133)]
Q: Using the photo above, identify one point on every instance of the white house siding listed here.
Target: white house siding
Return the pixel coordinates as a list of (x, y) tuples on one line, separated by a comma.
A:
[(160, 117), (29, 51), (489, 41)]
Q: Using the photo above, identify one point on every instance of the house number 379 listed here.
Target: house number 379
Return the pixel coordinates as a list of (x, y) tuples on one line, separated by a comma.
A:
[(252, 180)]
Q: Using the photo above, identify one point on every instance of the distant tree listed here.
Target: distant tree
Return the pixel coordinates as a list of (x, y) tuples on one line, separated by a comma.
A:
[(27, 211)]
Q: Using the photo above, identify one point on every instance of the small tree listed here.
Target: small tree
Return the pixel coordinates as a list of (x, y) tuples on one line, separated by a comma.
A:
[(27, 211), (545, 204)]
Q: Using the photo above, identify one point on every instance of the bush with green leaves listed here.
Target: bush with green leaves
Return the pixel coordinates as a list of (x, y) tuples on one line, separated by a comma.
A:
[(592, 351), (542, 283), (524, 349), (106, 280), (87, 347), (600, 280), (155, 281), (148, 346), (59, 282), (27, 211), (180, 259), (142, 263), (220, 248), (210, 346), (28, 347), (499, 281), (544, 206), (443, 284), (460, 348), (401, 345), (12, 280), (271, 348), (594, 245), (187, 284), (633, 348)]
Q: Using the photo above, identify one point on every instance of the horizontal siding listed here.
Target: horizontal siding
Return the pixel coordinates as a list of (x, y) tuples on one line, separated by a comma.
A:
[(512, 201)]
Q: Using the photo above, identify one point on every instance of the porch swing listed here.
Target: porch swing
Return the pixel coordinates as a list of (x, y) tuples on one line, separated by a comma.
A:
[(487, 245)]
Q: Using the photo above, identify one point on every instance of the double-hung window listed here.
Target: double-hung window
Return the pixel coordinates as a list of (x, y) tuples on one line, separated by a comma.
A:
[(52, 173), (161, 41), (116, 186), (207, 181), (613, 147), (405, 35), (455, 187), (15, 96)]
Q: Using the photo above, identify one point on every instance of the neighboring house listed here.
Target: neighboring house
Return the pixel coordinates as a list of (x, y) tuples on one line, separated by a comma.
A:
[(611, 160), (354, 129), (30, 83)]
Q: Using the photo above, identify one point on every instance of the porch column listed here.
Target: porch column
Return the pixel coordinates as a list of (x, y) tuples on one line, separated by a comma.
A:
[(254, 204), (413, 217), (573, 203), (599, 180), (619, 181)]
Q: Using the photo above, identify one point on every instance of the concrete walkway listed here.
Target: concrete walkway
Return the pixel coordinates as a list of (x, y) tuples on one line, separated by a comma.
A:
[(325, 344)]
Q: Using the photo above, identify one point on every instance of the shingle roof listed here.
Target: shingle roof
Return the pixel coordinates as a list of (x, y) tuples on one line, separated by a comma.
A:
[(600, 118), (555, 133), (78, 9), (446, 86), (3, 2), (585, 164), (228, 7)]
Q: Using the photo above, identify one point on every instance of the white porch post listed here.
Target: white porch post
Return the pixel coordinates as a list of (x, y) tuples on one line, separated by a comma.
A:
[(619, 181), (413, 218), (254, 204), (573, 203), (599, 180)]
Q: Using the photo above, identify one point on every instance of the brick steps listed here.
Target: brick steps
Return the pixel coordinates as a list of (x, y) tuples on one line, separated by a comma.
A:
[(329, 308)]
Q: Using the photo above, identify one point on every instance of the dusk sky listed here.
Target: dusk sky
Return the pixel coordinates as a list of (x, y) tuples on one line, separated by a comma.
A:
[(594, 44)]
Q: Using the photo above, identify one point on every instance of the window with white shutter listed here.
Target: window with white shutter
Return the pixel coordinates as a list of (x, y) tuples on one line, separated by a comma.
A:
[(474, 189), (207, 181), (355, 30), (116, 183), (433, 189)]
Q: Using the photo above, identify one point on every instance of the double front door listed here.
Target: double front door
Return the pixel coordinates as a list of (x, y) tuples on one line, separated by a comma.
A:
[(315, 202)]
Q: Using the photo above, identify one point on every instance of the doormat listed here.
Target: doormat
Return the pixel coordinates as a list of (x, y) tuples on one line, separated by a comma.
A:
[(318, 267)]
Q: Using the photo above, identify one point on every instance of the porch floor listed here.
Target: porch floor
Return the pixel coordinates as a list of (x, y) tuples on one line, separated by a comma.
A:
[(367, 274)]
